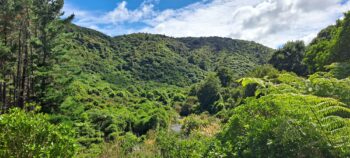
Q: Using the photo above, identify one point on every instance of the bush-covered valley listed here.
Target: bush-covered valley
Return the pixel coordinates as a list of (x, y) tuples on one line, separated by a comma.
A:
[(69, 91)]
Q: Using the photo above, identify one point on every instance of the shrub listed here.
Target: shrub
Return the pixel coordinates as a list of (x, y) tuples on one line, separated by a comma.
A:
[(31, 135), (173, 146)]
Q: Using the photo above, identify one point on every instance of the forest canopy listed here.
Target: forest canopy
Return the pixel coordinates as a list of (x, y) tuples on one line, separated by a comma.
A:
[(70, 91)]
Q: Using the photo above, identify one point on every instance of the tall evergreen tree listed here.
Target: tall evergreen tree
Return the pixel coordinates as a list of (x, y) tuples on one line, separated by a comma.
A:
[(28, 29)]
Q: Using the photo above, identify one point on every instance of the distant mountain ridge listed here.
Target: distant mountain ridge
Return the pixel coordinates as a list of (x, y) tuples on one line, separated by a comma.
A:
[(176, 61)]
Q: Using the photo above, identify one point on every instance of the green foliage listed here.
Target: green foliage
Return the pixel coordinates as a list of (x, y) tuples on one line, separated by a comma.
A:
[(331, 45), (123, 94), (288, 116), (150, 117), (251, 85), (128, 142), (194, 122), (286, 125), (298, 84), (339, 70), (208, 93), (106, 87), (189, 106), (331, 87), (102, 111), (4, 56), (248, 81), (265, 71), (290, 58), (163, 59), (226, 77), (25, 134), (342, 46), (173, 146)]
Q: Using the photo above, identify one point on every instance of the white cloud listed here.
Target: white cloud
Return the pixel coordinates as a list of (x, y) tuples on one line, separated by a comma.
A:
[(270, 22), (112, 22), (123, 14)]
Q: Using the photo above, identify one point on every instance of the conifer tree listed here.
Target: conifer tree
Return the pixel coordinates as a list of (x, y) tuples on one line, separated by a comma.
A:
[(28, 29)]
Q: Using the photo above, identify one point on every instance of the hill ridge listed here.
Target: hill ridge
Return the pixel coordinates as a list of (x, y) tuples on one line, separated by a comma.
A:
[(176, 61)]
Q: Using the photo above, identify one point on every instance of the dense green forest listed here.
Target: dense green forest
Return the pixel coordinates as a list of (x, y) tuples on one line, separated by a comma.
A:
[(69, 91)]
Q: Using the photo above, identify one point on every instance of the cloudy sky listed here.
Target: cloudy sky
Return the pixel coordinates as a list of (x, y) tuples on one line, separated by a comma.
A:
[(270, 22)]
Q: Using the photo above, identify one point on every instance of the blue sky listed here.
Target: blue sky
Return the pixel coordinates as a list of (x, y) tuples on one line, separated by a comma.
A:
[(270, 22), (105, 5)]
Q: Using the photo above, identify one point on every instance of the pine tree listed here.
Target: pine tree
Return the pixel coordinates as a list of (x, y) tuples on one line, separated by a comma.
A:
[(28, 29)]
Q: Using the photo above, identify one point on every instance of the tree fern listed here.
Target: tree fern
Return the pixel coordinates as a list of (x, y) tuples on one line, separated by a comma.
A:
[(247, 81), (287, 120)]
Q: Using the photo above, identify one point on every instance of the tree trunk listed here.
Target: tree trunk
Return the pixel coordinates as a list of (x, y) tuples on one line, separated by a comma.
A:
[(4, 106), (18, 76), (45, 56), (30, 75), (1, 99), (5, 34), (23, 86), (22, 96), (13, 91)]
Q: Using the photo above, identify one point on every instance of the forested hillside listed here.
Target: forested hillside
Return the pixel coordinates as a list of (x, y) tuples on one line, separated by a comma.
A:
[(69, 91), (175, 61)]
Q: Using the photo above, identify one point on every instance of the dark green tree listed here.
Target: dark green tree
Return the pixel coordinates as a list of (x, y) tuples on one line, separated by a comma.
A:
[(28, 30), (341, 49), (290, 58), (226, 76), (209, 92), (329, 46)]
